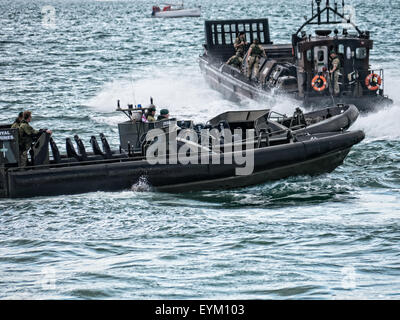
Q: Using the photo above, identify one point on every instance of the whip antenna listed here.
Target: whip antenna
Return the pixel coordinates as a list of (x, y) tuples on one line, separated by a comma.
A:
[(133, 91)]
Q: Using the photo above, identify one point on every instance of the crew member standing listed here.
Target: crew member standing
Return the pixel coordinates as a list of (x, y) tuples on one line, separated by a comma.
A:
[(239, 45), (334, 72), (26, 136), (151, 113), (18, 120), (164, 115), (253, 58)]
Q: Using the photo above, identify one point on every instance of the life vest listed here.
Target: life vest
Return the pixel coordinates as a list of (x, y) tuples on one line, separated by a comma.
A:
[(318, 83), (373, 81)]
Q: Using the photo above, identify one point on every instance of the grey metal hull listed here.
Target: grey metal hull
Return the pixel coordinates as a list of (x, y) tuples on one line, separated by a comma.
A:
[(234, 88)]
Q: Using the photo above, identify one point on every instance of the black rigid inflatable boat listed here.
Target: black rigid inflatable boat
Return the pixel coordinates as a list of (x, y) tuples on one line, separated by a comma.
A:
[(276, 152)]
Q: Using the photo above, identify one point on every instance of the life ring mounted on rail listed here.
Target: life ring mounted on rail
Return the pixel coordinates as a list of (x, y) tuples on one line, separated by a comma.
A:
[(373, 81), (319, 83)]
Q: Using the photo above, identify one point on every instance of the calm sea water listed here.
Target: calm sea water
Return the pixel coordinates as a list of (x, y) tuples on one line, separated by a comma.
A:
[(335, 236)]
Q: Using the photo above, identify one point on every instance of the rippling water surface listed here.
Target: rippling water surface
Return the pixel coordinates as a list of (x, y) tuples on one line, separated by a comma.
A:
[(335, 236)]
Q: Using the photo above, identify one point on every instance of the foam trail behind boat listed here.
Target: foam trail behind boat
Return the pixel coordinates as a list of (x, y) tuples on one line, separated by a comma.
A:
[(385, 123), (183, 92)]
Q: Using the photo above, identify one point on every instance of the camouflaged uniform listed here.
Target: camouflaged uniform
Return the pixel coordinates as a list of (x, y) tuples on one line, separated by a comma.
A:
[(26, 136), (336, 63), (239, 46), (16, 124), (150, 118), (235, 61), (254, 60)]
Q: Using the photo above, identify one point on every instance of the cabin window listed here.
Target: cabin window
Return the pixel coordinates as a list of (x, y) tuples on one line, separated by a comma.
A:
[(309, 55), (348, 53), (262, 40), (321, 56), (341, 49), (219, 38), (233, 28), (361, 53), (260, 27), (298, 55), (228, 38), (219, 28)]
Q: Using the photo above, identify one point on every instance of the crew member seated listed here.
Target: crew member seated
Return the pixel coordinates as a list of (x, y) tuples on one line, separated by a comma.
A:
[(328, 114), (155, 9), (235, 61), (26, 137), (151, 113), (164, 115), (298, 118)]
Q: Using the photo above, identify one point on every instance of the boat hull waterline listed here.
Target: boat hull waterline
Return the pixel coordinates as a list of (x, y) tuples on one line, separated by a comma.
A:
[(195, 12), (237, 89), (311, 157)]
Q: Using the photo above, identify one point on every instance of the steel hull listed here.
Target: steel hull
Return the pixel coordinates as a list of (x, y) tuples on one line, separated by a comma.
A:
[(235, 89)]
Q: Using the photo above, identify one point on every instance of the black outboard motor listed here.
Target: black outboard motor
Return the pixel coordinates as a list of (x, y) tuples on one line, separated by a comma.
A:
[(40, 149), (106, 146), (95, 146), (71, 152), (55, 151), (81, 148)]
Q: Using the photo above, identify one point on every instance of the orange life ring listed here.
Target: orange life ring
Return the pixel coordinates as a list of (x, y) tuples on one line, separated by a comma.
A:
[(373, 81), (318, 83)]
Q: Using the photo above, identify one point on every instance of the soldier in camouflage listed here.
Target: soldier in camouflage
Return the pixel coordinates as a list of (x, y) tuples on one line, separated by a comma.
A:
[(334, 72), (235, 61), (239, 45), (17, 121), (151, 113), (26, 137), (253, 58)]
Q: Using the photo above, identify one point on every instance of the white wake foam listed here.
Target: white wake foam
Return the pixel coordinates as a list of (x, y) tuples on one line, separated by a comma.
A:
[(187, 96), (385, 123)]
